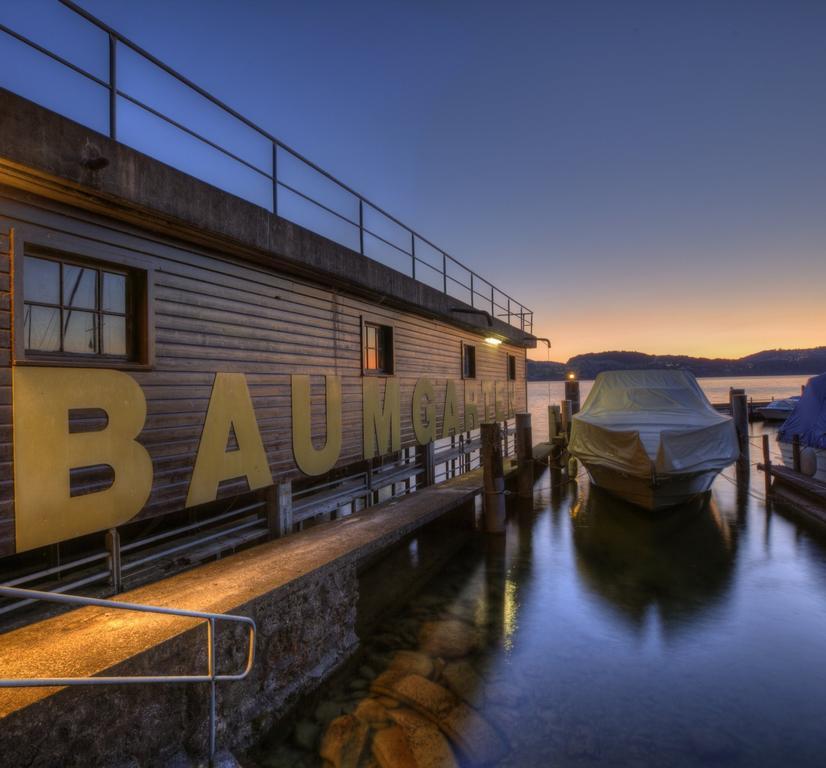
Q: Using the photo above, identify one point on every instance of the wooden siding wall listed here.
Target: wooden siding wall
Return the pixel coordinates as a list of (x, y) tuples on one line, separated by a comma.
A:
[(6, 468), (214, 314)]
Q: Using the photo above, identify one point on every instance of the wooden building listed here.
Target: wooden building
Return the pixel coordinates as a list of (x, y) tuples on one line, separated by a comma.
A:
[(171, 356)]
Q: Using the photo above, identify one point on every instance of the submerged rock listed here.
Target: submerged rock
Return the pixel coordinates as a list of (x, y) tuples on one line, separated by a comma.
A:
[(370, 711), (344, 742), (423, 740), (464, 681), (450, 639), (473, 735), (306, 734), (413, 662), (390, 749), (327, 711)]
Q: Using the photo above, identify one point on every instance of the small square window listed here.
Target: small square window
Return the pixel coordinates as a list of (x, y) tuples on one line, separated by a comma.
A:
[(377, 343), (511, 367), (73, 309), (468, 361)]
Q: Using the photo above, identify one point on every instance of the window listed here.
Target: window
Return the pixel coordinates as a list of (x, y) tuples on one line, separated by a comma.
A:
[(511, 367), (468, 361), (73, 309), (378, 348)]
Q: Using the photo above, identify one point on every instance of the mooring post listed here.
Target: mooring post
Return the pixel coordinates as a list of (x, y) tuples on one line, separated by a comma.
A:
[(554, 422), (524, 455), (279, 503), (427, 456), (567, 414), (113, 559), (740, 414), (494, 478), (796, 452), (572, 393), (767, 465)]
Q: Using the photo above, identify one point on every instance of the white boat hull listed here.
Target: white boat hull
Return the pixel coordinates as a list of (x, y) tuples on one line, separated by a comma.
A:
[(820, 456), (666, 492)]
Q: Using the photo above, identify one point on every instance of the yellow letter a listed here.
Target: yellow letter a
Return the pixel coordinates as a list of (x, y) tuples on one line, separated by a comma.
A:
[(230, 407)]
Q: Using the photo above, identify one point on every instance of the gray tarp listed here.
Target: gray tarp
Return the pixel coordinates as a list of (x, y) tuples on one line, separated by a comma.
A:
[(634, 421)]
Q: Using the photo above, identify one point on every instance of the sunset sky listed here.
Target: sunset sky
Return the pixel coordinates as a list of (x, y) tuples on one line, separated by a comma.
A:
[(644, 175)]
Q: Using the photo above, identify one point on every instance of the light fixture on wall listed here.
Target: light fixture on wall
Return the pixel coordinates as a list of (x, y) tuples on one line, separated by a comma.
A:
[(493, 341)]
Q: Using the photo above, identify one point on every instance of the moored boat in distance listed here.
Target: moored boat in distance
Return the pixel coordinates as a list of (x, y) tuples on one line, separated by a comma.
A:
[(808, 422), (652, 437), (778, 410)]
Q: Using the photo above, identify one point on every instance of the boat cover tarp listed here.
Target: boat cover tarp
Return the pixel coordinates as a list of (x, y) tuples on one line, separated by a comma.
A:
[(808, 419), (642, 421)]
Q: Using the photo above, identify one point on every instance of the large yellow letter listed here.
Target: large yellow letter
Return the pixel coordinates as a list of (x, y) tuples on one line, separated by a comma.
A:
[(423, 397), (450, 418), (230, 407), (381, 426), (45, 452), (471, 406), (309, 460)]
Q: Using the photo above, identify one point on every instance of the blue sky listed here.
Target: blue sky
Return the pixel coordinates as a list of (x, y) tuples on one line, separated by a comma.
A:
[(643, 175)]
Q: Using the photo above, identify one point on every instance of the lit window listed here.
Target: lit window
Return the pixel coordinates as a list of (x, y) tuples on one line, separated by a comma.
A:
[(72, 308), (378, 348), (468, 361), (512, 367)]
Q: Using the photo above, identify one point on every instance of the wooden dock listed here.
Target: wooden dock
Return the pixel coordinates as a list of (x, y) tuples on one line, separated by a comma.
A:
[(753, 408), (804, 493)]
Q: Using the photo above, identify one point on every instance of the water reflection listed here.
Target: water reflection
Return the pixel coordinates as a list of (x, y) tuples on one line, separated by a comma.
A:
[(678, 563), (593, 633)]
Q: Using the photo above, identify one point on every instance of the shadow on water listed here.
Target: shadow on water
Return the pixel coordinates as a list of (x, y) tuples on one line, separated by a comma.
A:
[(678, 562)]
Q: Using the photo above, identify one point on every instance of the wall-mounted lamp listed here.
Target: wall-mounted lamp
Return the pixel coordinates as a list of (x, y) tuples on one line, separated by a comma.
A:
[(571, 376), (493, 341)]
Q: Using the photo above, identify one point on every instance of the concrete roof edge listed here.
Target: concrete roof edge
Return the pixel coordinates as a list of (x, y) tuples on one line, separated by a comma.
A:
[(49, 154)]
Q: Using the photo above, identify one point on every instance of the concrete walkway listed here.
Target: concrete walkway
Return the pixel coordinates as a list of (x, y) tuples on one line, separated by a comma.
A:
[(90, 641)]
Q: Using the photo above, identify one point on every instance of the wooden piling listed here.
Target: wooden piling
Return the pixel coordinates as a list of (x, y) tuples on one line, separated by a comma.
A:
[(113, 559), (524, 455), (767, 465), (557, 450), (740, 414), (572, 394), (493, 478), (566, 412), (279, 505), (426, 457), (796, 452), (554, 422)]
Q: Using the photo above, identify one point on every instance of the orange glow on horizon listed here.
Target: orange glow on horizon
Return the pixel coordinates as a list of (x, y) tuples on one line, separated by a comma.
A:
[(727, 330)]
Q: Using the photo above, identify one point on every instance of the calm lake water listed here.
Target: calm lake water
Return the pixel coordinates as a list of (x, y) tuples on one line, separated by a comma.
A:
[(594, 634)]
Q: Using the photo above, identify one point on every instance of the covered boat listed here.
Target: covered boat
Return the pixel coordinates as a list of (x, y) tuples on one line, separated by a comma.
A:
[(652, 437), (808, 422), (779, 410)]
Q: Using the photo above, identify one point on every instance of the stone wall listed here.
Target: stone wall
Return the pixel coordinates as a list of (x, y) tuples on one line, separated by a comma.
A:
[(304, 634)]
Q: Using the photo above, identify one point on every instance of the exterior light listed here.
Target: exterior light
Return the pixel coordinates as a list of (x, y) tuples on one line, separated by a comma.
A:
[(493, 341), (571, 376)]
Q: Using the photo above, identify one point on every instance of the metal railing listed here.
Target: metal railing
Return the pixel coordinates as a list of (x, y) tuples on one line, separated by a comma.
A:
[(211, 677), (442, 271)]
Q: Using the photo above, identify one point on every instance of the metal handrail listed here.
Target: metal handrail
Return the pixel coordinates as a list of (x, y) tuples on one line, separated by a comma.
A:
[(516, 313), (212, 677)]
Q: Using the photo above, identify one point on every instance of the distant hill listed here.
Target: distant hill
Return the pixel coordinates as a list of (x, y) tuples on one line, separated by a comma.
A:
[(771, 362)]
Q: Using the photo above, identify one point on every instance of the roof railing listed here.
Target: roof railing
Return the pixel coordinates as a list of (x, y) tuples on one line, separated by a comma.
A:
[(443, 271)]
